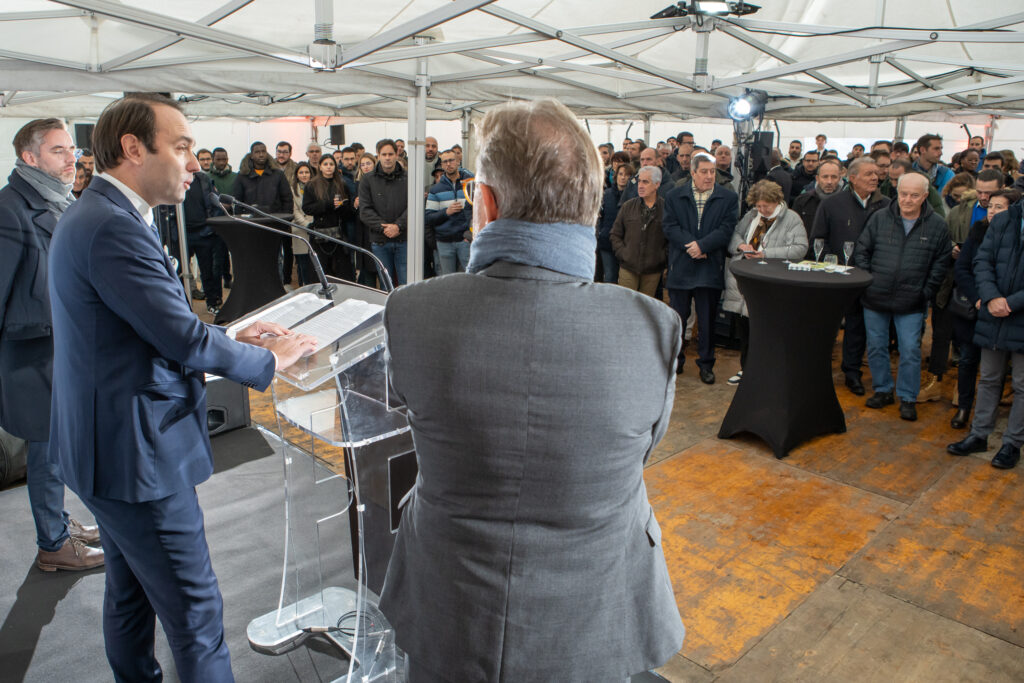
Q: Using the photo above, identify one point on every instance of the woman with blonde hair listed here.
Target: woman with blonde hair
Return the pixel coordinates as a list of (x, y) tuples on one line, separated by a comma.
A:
[(769, 230), (366, 164)]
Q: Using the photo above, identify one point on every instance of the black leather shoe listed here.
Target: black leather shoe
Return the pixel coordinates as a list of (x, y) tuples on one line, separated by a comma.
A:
[(1007, 457), (880, 399), (707, 376), (959, 420), (972, 444), (908, 411), (855, 386), (197, 295)]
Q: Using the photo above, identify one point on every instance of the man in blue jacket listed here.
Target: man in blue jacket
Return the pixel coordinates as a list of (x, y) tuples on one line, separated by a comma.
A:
[(447, 216), (128, 422), (37, 194), (698, 222), (999, 275)]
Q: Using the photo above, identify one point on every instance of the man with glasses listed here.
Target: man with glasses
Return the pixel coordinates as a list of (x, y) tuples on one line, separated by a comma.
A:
[(447, 217), (313, 152)]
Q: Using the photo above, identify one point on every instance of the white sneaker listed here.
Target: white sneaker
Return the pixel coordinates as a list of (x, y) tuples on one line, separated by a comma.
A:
[(735, 379)]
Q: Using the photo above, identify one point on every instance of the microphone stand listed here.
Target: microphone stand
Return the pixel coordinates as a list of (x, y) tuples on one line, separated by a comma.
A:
[(385, 276), (325, 287)]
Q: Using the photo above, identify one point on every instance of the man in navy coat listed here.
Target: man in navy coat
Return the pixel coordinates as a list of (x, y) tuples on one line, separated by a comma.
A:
[(698, 222), (38, 192), (128, 418)]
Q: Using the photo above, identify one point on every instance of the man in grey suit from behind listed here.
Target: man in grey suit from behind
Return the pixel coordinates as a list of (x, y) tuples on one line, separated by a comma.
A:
[(528, 550)]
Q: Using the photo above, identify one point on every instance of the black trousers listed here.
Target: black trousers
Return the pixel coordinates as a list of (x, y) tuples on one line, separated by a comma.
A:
[(203, 249), (942, 336), (704, 301), (855, 340), (221, 259), (335, 259), (286, 264)]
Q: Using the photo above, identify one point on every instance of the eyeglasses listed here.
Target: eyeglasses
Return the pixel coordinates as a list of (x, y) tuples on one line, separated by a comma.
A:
[(469, 189)]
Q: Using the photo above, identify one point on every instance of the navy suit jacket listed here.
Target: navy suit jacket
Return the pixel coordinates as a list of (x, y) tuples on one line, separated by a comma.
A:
[(128, 417), (712, 234)]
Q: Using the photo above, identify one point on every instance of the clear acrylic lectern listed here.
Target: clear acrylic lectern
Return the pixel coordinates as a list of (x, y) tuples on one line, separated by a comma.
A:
[(347, 453)]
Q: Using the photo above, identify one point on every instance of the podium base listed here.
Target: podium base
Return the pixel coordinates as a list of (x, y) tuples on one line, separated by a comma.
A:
[(333, 617)]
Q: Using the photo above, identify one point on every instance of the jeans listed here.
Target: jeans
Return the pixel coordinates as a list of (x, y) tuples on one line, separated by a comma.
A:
[(46, 497), (609, 265), (394, 257), (908, 335), (452, 257), (305, 270), (990, 390)]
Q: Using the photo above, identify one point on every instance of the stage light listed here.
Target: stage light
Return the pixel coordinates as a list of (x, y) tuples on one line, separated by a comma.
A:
[(706, 8), (748, 105), (711, 6)]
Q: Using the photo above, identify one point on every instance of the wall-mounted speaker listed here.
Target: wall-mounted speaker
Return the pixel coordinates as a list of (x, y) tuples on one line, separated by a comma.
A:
[(338, 135), (83, 135)]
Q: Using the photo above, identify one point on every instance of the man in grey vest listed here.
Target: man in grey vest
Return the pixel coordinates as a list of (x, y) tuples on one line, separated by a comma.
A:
[(528, 550)]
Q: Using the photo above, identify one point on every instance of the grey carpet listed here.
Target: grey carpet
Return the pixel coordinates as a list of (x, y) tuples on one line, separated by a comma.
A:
[(52, 628)]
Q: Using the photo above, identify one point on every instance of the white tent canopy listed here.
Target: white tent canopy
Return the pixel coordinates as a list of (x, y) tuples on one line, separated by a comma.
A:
[(817, 59)]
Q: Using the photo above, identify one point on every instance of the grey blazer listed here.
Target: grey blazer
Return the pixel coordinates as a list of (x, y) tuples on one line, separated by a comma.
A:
[(529, 551)]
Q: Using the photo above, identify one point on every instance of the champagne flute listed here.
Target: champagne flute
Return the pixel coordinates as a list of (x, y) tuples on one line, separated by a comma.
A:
[(819, 246), (847, 252)]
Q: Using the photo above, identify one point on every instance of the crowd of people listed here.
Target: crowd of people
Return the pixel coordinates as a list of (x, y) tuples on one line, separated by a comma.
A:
[(350, 194), (671, 218)]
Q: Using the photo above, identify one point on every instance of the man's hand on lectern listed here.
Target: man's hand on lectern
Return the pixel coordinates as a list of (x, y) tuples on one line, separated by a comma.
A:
[(286, 346)]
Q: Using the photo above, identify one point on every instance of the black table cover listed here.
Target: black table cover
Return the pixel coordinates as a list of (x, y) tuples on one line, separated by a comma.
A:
[(256, 280), (787, 395)]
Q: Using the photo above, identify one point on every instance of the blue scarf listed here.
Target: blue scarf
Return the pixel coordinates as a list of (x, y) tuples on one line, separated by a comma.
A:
[(566, 248)]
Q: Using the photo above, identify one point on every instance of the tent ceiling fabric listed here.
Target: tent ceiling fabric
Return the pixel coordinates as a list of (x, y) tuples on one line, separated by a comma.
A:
[(817, 59)]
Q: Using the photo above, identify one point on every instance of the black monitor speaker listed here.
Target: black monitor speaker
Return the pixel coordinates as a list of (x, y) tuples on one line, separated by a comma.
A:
[(338, 135)]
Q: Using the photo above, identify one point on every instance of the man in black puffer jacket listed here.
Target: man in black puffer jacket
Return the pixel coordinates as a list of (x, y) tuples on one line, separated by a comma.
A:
[(383, 207), (999, 275), (906, 248)]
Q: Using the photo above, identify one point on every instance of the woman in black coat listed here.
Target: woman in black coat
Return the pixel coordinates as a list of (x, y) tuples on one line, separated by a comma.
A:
[(326, 200), (963, 327), (607, 262)]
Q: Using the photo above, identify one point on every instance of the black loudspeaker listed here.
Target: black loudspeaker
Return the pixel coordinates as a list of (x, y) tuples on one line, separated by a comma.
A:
[(761, 154), (338, 135), (227, 405), (83, 135)]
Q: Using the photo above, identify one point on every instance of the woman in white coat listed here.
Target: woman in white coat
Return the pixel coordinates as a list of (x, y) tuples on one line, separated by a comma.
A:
[(771, 230)]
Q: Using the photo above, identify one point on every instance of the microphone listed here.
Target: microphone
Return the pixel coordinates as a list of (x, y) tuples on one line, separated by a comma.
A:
[(325, 287), (385, 276)]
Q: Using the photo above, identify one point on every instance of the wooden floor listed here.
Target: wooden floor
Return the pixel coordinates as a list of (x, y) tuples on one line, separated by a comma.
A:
[(865, 556)]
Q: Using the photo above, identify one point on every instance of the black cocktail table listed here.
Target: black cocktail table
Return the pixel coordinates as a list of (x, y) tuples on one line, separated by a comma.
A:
[(256, 280), (787, 395)]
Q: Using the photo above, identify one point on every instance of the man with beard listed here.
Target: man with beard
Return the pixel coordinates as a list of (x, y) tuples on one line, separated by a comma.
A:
[(37, 194), (793, 156), (805, 172), (827, 184)]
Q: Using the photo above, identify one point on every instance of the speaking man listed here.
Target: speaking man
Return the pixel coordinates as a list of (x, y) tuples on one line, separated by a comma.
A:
[(128, 422), (528, 550)]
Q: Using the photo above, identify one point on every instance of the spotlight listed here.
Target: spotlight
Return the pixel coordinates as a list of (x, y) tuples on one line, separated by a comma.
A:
[(748, 105), (707, 8)]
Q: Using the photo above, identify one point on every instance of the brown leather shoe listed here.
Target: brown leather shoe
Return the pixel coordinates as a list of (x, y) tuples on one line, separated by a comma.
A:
[(89, 535), (73, 556)]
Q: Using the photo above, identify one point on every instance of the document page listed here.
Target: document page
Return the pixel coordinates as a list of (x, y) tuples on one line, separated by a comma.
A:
[(332, 325), (286, 313)]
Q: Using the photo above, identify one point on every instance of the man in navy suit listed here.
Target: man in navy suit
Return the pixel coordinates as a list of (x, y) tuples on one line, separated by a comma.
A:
[(128, 422)]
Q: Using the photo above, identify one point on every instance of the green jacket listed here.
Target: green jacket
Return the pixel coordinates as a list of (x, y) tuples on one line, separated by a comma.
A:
[(959, 218)]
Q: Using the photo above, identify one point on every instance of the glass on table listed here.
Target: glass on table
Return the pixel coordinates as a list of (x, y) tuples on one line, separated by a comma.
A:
[(831, 261), (819, 246), (847, 252)]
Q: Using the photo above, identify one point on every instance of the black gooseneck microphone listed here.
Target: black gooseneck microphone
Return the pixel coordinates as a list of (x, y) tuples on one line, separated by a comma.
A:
[(326, 287), (385, 276)]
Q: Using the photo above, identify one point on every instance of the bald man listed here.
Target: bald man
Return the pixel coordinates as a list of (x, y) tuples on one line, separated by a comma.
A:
[(906, 248)]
